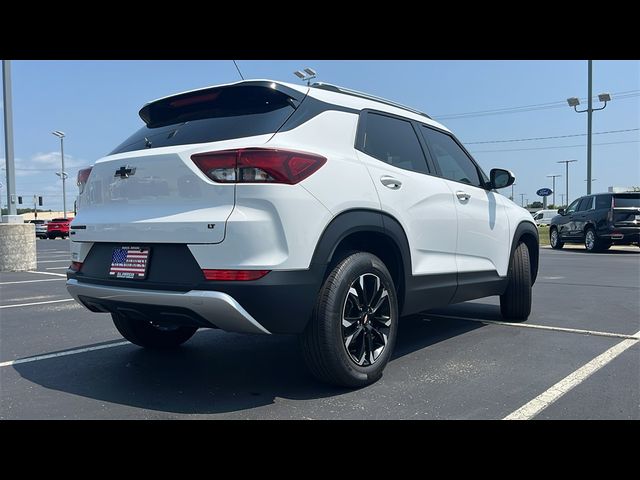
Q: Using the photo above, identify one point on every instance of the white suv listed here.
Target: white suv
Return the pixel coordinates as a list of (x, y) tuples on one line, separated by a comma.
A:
[(266, 207)]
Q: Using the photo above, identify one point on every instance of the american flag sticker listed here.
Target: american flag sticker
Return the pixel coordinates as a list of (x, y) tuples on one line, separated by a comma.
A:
[(129, 262)]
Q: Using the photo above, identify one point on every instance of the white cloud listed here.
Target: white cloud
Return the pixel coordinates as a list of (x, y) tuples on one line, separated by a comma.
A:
[(45, 164)]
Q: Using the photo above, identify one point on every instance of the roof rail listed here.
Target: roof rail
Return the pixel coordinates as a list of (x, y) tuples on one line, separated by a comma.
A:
[(355, 93)]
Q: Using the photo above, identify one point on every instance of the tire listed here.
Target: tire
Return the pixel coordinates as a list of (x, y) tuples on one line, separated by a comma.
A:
[(592, 243), (147, 335), (515, 302), (341, 339), (554, 240)]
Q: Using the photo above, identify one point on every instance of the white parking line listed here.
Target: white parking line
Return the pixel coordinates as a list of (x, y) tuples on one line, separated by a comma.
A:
[(53, 261), (33, 281), (546, 398), (543, 327), (37, 303), (62, 354), (48, 273)]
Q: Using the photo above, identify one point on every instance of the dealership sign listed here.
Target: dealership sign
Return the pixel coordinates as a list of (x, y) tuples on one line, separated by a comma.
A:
[(544, 192)]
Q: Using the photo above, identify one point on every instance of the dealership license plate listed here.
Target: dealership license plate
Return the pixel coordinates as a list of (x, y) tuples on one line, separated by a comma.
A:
[(130, 262)]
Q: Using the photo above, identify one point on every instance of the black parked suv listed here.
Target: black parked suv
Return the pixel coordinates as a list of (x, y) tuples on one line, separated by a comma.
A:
[(598, 221)]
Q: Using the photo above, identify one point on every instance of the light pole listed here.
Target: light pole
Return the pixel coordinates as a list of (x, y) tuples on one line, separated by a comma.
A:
[(554, 187), (566, 176), (562, 199), (574, 102), (512, 185), (522, 199), (63, 174), (8, 143)]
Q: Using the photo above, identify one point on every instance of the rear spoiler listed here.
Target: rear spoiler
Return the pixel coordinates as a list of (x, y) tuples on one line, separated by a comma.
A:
[(185, 106)]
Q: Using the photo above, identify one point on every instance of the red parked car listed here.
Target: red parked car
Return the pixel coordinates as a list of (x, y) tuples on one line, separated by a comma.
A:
[(58, 227)]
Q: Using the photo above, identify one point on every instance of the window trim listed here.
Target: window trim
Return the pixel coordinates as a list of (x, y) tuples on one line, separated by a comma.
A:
[(481, 175), (362, 128)]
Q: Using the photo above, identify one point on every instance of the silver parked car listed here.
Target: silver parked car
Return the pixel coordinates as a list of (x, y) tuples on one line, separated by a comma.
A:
[(41, 228)]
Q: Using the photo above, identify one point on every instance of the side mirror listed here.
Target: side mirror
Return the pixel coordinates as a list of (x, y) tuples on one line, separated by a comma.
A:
[(501, 178), (561, 211)]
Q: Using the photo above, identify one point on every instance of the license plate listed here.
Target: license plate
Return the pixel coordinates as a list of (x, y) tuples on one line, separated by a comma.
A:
[(637, 218), (130, 262)]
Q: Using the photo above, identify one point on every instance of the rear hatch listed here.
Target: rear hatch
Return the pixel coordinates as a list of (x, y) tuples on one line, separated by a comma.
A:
[(626, 209), (149, 190)]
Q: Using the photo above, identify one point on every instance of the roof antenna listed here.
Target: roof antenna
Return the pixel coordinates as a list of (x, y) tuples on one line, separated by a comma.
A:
[(306, 75), (238, 68)]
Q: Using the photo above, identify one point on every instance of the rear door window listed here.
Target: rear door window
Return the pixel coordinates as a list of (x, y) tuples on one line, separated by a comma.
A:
[(585, 204), (393, 141), (210, 116)]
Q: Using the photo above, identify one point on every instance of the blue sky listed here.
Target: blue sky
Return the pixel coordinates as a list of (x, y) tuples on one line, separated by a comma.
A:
[(96, 103)]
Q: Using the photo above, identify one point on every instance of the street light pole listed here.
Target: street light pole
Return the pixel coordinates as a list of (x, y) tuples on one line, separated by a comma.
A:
[(8, 140), (589, 125), (554, 187), (566, 176), (522, 199), (63, 174), (574, 102)]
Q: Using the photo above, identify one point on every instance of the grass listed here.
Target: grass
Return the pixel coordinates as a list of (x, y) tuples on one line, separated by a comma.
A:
[(543, 234)]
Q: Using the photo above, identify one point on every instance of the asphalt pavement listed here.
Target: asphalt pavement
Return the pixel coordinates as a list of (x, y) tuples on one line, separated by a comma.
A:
[(576, 357)]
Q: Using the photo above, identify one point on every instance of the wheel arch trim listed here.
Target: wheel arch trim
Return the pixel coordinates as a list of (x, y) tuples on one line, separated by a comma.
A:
[(526, 231)]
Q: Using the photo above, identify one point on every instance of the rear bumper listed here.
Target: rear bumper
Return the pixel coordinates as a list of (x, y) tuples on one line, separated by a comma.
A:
[(280, 302), (207, 306), (623, 235)]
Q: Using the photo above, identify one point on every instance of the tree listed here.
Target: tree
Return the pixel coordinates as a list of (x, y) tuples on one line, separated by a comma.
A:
[(536, 205)]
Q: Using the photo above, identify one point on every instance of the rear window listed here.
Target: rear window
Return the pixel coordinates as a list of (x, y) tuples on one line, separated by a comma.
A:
[(210, 116), (632, 200), (61, 220)]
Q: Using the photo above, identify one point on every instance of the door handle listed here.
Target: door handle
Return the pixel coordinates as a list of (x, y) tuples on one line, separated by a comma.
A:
[(464, 196), (390, 182)]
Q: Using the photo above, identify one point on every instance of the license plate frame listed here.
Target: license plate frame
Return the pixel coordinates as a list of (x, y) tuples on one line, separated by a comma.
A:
[(130, 262)]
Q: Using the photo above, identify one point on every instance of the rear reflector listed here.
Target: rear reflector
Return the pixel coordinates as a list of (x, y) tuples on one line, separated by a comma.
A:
[(234, 275), (75, 266), (258, 165)]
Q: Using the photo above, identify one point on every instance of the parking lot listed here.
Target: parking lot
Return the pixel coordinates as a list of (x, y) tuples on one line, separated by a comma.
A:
[(576, 357)]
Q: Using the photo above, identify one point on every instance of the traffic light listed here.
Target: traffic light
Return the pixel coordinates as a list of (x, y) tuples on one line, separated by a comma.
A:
[(19, 200), (40, 201)]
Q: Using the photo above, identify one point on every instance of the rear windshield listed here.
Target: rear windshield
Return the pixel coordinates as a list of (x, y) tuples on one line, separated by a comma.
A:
[(61, 220), (632, 200), (210, 116)]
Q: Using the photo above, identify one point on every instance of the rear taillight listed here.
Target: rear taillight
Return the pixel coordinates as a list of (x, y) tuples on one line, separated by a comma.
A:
[(258, 165), (75, 266), (234, 275), (83, 176)]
